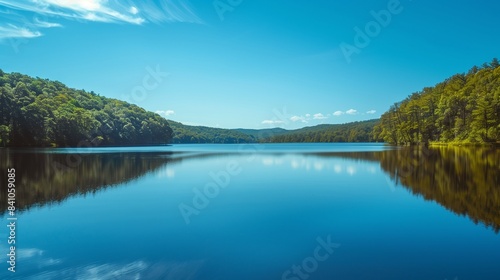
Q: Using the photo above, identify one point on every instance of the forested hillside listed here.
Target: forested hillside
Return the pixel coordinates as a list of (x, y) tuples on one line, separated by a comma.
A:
[(265, 133), (348, 132), (39, 112), (202, 134), (463, 109)]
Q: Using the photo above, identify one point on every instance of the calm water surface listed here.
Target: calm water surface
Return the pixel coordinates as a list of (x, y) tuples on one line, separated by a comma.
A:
[(274, 211)]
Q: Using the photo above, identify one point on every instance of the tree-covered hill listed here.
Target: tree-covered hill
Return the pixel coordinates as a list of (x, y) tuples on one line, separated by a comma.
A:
[(463, 109), (348, 132), (39, 112), (201, 134), (262, 134)]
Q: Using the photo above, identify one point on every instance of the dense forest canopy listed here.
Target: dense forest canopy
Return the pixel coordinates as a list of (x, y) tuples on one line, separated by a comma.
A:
[(38, 112), (348, 132), (202, 134), (463, 109)]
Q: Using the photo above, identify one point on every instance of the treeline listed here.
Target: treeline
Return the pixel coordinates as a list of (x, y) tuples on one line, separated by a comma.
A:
[(348, 132), (188, 134), (38, 112), (464, 109)]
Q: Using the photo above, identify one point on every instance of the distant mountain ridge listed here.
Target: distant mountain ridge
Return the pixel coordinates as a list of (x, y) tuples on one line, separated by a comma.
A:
[(349, 132), (189, 134), (360, 131), (38, 112)]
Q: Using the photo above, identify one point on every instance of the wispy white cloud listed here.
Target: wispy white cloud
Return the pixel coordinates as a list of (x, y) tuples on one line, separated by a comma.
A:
[(307, 117), (134, 10), (351, 170), (109, 11), (90, 5), (351, 112), (165, 113), (273, 122), (319, 116), (12, 31), (300, 118), (29, 253), (89, 10), (131, 270), (167, 11), (167, 172), (47, 267), (45, 24), (371, 112), (348, 112)]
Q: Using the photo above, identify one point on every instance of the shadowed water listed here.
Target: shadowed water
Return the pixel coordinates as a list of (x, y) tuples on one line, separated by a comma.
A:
[(277, 211)]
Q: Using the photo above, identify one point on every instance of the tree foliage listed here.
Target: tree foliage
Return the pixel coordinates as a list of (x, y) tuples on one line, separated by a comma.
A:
[(39, 112), (348, 132), (201, 134), (464, 108)]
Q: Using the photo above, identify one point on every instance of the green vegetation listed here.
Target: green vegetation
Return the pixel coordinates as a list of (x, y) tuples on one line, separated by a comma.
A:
[(349, 132), (38, 112), (463, 109), (49, 178), (202, 134), (263, 134)]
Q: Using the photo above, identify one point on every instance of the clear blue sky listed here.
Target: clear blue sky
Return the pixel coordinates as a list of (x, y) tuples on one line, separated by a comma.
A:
[(250, 63)]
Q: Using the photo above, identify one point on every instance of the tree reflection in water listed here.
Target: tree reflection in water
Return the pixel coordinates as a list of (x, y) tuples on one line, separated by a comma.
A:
[(463, 180)]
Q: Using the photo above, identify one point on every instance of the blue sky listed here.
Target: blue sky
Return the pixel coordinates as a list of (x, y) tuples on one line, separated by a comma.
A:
[(252, 64)]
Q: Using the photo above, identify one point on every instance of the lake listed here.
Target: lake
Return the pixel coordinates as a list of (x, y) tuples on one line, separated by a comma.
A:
[(253, 211)]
